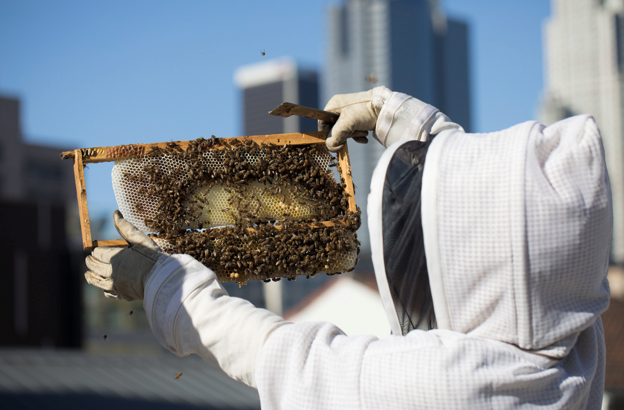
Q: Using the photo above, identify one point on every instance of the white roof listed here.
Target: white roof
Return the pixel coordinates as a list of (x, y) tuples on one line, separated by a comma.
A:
[(347, 303), (265, 72)]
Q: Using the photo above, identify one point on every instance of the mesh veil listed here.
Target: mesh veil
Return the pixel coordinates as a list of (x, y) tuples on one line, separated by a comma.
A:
[(403, 244)]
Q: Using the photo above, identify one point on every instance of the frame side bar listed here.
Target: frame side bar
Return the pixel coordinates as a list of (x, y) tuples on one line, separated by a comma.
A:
[(83, 209)]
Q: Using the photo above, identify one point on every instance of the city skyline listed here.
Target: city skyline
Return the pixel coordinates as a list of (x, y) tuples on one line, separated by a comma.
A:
[(90, 74)]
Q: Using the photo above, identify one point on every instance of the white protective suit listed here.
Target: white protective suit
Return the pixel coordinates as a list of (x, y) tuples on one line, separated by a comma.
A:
[(517, 228)]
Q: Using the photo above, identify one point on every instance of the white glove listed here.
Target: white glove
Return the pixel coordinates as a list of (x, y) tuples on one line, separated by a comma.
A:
[(358, 115), (122, 272), (392, 116)]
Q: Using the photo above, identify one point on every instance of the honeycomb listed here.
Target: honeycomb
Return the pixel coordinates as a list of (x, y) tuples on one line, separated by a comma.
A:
[(243, 198), (136, 207)]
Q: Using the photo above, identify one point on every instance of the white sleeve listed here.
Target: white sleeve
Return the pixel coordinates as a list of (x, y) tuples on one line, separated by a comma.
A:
[(315, 366), (190, 312), (406, 118)]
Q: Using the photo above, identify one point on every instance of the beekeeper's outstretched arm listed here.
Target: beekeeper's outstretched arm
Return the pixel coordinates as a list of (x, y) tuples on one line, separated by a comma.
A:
[(392, 116), (187, 309)]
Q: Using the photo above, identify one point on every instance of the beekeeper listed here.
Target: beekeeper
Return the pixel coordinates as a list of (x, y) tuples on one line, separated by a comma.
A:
[(491, 253)]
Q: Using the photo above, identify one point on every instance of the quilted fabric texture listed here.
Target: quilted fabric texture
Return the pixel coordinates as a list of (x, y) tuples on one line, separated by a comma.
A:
[(315, 366), (522, 222), (517, 229), (404, 117)]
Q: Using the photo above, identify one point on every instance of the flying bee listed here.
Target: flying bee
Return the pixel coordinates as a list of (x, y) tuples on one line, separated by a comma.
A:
[(262, 53), (177, 376), (105, 337)]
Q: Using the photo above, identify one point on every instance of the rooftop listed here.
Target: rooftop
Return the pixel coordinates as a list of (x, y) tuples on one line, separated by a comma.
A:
[(37, 379)]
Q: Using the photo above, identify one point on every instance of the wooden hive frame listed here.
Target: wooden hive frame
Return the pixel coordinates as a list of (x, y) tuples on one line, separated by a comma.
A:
[(83, 156)]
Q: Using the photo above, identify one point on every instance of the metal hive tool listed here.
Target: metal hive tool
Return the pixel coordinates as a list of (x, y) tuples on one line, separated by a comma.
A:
[(250, 208)]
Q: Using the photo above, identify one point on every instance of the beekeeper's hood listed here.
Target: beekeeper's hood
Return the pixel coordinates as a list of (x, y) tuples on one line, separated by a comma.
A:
[(502, 236)]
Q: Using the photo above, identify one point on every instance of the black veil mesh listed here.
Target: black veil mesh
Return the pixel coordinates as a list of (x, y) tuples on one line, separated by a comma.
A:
[(404, 251)]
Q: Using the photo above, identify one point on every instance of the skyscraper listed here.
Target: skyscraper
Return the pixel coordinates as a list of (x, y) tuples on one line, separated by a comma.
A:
[(41, 293), (266, 85), (409, 46), (30, 172), (584, 58)]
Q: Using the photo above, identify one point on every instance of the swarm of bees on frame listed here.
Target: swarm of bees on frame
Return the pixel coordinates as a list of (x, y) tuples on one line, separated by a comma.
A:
[(284, 213)]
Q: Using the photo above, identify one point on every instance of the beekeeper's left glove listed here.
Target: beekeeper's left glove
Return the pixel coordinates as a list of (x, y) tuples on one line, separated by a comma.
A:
[(122, 272)]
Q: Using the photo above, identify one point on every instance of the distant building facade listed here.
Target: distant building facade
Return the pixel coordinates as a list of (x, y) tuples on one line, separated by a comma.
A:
[(409, 46), (41, 295), (264, 86), (30, 172), (584, 74)]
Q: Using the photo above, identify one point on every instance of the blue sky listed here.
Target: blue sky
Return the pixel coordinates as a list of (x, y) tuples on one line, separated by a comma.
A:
[(117, 72)]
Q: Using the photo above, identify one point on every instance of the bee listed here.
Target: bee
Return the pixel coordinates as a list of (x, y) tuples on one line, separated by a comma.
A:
[(131, 313), (371, 78), (105, 337), (262, 53), (177, 376)]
